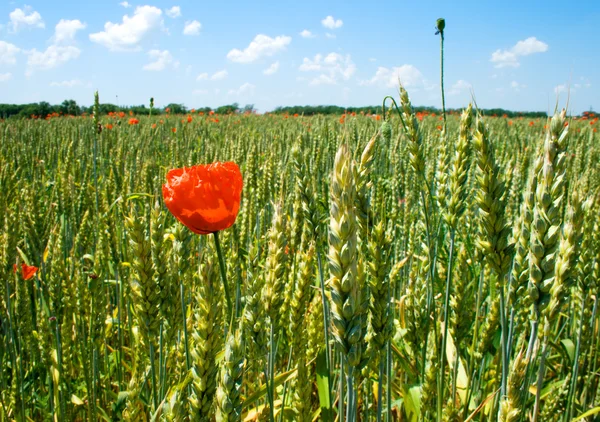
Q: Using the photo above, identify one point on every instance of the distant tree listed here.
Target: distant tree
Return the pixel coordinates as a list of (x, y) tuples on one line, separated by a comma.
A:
[(176, 108), (228, 109), (70, 107)]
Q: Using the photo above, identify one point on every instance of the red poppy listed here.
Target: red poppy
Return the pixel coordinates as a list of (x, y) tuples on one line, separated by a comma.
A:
[(205, 198), (174, 130), (133, 121), (109, 126), (121, 114), (378, 117), (153, 125), (28, 271), (189, 119)]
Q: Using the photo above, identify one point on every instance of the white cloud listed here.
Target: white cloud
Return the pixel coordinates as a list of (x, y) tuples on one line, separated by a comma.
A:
[(217, 76), (245, 89), (332, 67), (458, 87), (8, 53), (128, 34), (160, 60), (67, 84), (331, 23), (517, 86), (307, 34), (192, 28), (328, 35), (261, 46), (407, 74), (510, 57), (529, 46), (52, 57), (21, 18), (271, 69), (561, 88), (65, 30), (125, 4), (173, 12), (5, 77), (323, 79)]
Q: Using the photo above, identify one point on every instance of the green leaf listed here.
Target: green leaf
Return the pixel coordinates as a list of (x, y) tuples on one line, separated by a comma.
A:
[(323, 387), (412, 402), (590, 412), (569, 347)]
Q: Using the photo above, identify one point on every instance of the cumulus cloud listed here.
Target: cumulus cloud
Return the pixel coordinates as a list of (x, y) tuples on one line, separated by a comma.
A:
[(65, 30), (173, 12), (5, 77), (408, 75), (52, 57), (458, 87), (125, 4), (516, 86), (332, 67), (510, 57), (160, 60), (331, 23), (261, 46), (272, 69), (192, 28), (67, 84), (23, 18), (8, 53), (307, 34), (128, 34), (217, 76), (245, 89)]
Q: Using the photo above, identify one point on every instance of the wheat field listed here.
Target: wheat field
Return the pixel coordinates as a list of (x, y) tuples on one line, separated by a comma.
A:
[(400, 266)]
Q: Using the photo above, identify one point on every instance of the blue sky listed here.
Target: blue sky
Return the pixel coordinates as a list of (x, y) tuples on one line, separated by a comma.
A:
[(518, 55)]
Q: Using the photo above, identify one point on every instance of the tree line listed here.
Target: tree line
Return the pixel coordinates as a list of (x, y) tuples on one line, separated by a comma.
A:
[(70, 107)]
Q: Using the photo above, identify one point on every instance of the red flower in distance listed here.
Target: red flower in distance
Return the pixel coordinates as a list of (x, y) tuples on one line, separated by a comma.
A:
[(205, 198)]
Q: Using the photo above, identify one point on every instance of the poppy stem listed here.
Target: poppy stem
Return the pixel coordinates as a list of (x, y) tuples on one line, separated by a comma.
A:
[(223, 274)]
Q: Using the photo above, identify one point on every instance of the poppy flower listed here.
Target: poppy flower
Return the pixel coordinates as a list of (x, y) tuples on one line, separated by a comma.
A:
[(133, 121), (205, 198), (189, 119), (121, 114), (174, 130), (109, 126), (28, 271)]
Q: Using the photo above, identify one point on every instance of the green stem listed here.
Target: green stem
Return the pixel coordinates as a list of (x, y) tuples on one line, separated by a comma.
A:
[(540, 379), (570, 401), (153, 374), (440, 398), (223, 274), (504, 343), (442, 77)]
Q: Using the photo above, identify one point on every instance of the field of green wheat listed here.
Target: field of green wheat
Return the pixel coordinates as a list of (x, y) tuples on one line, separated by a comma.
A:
[(398, 266)]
